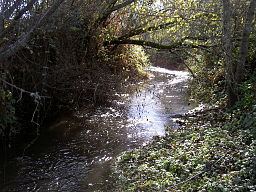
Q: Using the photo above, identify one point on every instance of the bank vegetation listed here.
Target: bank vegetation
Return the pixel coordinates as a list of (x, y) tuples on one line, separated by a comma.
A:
[(60, 55)]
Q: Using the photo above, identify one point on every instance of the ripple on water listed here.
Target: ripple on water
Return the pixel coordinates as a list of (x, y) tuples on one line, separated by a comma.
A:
[(79, 160)]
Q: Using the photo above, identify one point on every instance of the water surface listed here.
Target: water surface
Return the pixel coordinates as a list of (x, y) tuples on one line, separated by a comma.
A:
[(76, 153)]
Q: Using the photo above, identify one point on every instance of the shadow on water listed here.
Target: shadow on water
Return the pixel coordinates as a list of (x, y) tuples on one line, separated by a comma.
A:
[(76, 153)]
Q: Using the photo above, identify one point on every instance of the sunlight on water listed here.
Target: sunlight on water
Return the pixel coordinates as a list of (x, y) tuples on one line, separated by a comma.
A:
[(180, 76), (79, 158), (147, 112)]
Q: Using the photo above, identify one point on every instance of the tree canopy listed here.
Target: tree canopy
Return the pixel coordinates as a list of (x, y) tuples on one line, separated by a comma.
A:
[(217, 33)]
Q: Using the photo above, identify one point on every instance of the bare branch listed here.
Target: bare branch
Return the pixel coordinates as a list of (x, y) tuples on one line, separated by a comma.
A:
[(8, 51), (23, 90)]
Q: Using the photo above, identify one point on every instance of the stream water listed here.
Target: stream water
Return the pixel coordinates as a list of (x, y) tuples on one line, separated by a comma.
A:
[(77, 153)]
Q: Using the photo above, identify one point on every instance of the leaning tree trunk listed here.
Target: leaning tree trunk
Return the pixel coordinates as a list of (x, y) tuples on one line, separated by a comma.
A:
[(227, 46)]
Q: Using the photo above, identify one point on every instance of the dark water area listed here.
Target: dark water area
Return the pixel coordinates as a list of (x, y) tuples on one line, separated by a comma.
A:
[(77, 151)]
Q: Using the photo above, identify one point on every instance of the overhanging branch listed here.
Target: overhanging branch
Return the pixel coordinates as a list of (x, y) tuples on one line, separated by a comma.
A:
[(148, 29), (155, 45), (122, 5), (114, 8)]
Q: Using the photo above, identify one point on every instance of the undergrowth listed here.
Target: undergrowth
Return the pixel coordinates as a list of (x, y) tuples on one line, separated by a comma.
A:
[(199, 157)]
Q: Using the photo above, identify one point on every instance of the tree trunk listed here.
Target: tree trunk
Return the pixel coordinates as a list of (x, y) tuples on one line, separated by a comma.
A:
[(245, 42), (227, 46)]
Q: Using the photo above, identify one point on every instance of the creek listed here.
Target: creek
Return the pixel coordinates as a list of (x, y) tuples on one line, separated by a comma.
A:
[(77, 153)]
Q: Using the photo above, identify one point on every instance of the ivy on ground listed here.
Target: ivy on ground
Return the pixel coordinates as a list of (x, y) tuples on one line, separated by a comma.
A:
[(197, 157)]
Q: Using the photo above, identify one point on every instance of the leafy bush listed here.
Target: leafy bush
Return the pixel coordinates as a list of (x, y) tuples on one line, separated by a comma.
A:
[(126, 60)]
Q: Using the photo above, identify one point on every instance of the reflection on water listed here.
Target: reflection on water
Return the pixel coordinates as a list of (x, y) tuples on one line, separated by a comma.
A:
[(77, 152)]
